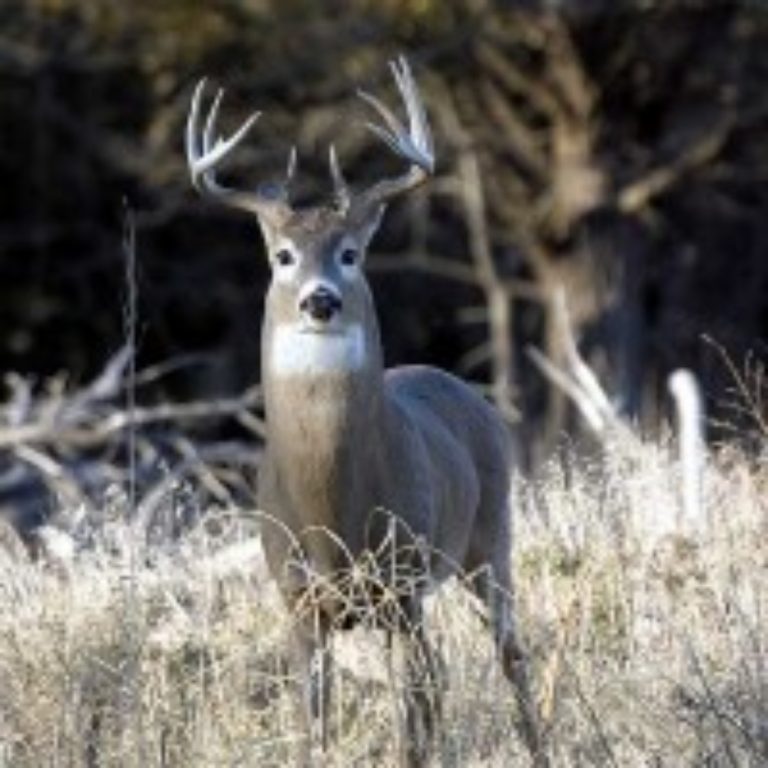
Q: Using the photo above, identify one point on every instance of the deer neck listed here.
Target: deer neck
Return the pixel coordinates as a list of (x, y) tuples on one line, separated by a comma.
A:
[(324, 408)]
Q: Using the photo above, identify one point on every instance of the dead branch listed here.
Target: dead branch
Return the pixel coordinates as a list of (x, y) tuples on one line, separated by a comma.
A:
[(576, 379), (71, 446), (93, 430), (55, 476), (638, 194)]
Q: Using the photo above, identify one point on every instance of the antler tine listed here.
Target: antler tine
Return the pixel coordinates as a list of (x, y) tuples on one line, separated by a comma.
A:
[(209, 130), (191, 143), (205, 150), (413, 144), (340, 188), (396, 128), (203, 159), (417, 115), (291, 165)]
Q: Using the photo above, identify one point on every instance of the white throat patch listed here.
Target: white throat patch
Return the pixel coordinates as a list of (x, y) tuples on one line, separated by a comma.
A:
[(297, 351)]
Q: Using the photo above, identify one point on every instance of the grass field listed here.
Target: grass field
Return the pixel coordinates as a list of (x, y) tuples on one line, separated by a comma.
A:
[(649, 640)]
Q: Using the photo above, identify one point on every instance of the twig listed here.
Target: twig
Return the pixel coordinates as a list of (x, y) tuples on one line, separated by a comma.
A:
[(55, 476), (638, 194), (593, 716), (93, 431), (571, 388), (718, 714), (752, 396), (20, 406), (577, 381), (127, 361), (458, 271), (498, 298)]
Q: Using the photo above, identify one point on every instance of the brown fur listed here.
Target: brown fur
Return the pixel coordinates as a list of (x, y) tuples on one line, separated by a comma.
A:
[(344, 445)]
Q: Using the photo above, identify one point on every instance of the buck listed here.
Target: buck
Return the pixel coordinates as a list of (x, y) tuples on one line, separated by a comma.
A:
[(348, 441)]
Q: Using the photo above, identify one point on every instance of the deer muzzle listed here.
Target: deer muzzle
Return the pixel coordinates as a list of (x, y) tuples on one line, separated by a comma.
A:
[(321, 304)]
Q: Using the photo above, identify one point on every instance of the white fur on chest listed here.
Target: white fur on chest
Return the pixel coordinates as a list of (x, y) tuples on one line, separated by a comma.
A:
[(296, 352)]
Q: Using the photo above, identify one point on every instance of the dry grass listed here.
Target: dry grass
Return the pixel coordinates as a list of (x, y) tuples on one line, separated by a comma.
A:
[(649, 643)]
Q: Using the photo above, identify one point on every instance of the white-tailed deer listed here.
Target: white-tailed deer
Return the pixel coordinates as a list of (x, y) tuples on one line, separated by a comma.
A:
[(347, 440)]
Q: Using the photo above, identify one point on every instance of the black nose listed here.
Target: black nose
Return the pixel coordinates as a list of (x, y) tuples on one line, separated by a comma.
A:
[(321, 304)]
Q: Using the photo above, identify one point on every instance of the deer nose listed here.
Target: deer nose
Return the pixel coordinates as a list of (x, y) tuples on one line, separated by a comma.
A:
[(322, 304)]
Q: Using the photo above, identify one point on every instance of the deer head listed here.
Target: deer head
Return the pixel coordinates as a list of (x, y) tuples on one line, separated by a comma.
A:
[(317, 253)]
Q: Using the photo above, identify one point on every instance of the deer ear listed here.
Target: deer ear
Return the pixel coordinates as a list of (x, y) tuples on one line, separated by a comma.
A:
[(272, 221), (268, 232)]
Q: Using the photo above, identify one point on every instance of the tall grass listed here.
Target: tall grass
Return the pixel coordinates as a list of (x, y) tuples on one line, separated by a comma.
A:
[(649, 643)]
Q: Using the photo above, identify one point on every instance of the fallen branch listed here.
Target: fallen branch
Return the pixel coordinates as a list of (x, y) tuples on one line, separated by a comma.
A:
[(91, 431), (576, 379)]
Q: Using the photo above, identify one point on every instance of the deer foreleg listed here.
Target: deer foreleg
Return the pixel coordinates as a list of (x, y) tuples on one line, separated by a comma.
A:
[(422, 695), (314, 660)]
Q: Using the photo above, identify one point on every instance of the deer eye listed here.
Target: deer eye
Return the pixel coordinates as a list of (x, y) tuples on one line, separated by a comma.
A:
[(349, 256), (285, 258)]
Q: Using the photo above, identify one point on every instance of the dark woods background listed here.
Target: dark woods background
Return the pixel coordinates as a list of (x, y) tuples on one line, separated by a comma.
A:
[(616, 148)]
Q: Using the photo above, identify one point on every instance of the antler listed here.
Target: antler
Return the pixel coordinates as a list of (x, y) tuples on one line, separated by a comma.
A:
[(413, 144), (205, 150)]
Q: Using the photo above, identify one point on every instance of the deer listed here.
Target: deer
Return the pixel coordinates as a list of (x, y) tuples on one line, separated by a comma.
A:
[(358, 457)]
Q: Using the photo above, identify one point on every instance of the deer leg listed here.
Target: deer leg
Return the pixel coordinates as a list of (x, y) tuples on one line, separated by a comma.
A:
[(314, 661), (422, 694), (514, 662), (494, 589)]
